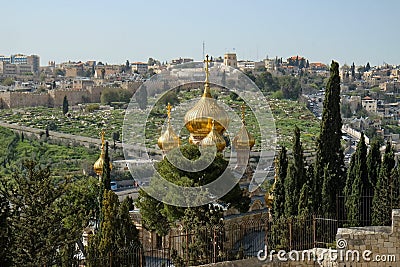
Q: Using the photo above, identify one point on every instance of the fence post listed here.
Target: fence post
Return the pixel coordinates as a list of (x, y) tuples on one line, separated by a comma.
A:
[(314, 231), (266, 235), (169, 245), (214, 245), (187, 248), (290, 234)]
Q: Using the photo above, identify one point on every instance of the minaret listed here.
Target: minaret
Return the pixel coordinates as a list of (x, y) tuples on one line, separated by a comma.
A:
[(169, 139), (243, 142)]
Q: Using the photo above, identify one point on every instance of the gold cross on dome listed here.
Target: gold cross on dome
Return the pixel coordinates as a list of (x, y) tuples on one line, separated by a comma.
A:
[(169, 107), (102, 134), (243, 107)]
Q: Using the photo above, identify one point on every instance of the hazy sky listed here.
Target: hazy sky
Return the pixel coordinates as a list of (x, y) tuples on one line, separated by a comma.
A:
[(114, 30)]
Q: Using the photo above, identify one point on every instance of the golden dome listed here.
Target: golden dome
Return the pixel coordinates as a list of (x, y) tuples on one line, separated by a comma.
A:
[(169, 139), (98, 165), (197, 119), (243, 138), (214, 138)]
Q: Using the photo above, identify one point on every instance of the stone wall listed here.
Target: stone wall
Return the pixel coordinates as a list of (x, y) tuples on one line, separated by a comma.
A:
[(23, 99), (377, 243), (54, 98)]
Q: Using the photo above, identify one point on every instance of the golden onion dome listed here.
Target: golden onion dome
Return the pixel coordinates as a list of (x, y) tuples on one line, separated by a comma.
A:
[(243, 139), (197, 119), (214, 138), (98, 165), (169, 139)]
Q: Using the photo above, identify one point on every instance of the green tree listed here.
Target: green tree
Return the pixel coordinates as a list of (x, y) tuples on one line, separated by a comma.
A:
[(141, 97), (158, 216), (329, 149), (106, 176), (356, 185), (65, 105), (278, 209), (37, 226), (298, 159), (295, 177), (5, 233), (305, 204), (115, 137), (116, 235), (374, 158), (127, 66), (8, 81), (115, 94), (291, 198), (290, 87), (382, 201), (367, 67)]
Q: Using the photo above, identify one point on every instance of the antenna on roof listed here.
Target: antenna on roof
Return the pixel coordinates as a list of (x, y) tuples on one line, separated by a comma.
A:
[(204, 48)]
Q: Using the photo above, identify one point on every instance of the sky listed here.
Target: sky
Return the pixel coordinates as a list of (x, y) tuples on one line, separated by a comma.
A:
[(115, 31)]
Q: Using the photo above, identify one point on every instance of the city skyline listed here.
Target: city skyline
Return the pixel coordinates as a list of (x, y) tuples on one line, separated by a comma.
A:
[(59, 31)]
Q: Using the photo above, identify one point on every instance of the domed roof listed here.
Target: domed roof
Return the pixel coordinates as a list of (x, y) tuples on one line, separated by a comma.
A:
[(169, 139), (98, 165), (214, 138), (243, 139), (197, 119)]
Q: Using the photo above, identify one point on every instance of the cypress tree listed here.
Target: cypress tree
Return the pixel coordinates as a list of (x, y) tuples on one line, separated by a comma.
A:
[(373, 165), (108, 225), (106, 170), (305, 206), (291, 193), (329, 149), (356, 185), (5, 233), (296, 176), (382, 203), (65, 105), (396, 188), (278, 209), (298, 159), (36, 224)]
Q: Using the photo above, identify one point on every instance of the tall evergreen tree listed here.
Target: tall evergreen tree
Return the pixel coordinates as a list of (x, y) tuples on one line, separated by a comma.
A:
[(106, 177), (298, 159), (382, 202), (356, 185), (5, 233), (374, 158), (110, 246), (281, 166), (65, 105), (295, 177), (36, 223), (329, 149), (166, 214), (291, 192), (358, 167), (305, 205), (356, 182)]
